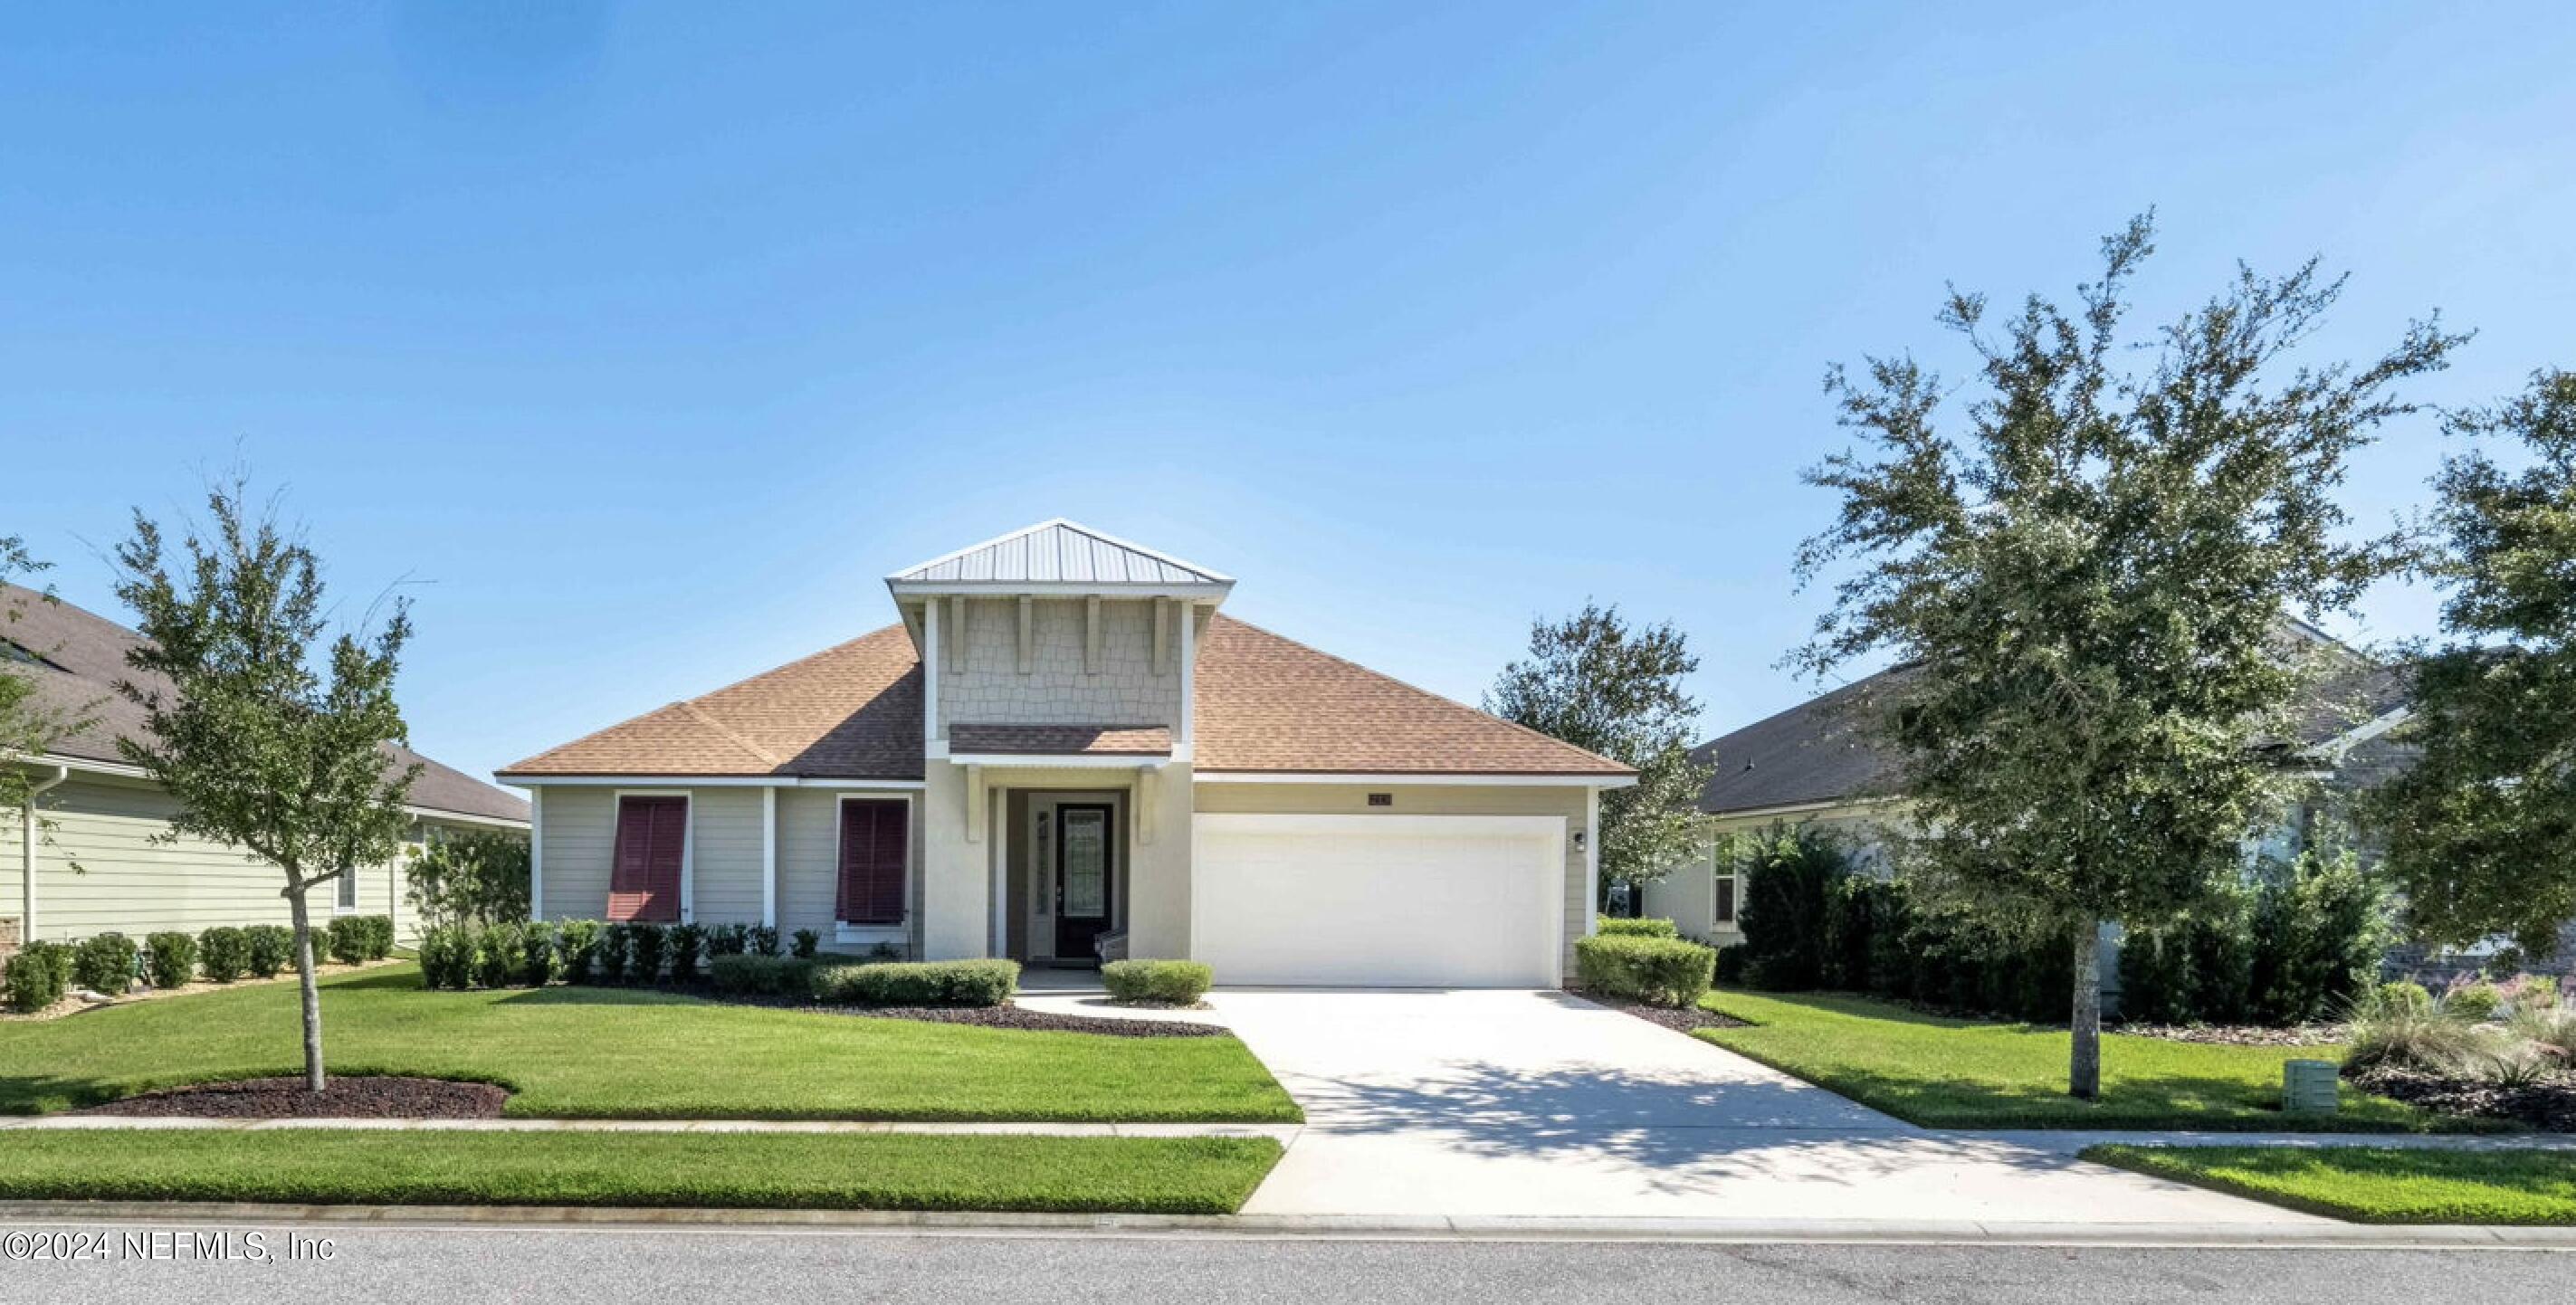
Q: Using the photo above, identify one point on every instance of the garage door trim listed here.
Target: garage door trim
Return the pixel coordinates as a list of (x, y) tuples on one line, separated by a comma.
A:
[(1550, 831)]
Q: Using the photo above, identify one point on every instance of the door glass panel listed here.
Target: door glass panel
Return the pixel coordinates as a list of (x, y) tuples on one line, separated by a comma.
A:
[(1086, 862)]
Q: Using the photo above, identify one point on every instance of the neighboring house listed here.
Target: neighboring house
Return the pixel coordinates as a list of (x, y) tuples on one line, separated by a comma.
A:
[(101, 868), (1814, 765), (1064, 750)]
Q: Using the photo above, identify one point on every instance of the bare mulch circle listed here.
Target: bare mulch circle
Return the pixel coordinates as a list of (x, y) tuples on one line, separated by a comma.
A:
[(355, 1096), (1679, 1020), (2549, 1105), (2236, 1035)]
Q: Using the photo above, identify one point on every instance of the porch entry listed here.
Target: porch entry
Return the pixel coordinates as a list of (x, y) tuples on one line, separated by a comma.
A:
[(1069, 873)]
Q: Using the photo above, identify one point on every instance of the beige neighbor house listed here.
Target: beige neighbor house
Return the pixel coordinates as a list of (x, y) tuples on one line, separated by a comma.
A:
[(100, 867), (1064, 750)]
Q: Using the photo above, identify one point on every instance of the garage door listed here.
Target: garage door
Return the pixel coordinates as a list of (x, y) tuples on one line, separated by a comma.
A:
[(1379, 901)]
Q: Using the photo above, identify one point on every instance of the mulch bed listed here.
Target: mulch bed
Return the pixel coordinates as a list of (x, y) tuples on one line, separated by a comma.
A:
[(1681, 1020), (1006, 1017), (2549, 1106), (355, 1096), (2235, 1035)]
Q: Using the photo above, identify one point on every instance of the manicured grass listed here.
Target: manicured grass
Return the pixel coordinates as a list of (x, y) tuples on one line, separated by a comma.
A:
[(1947, 1073), (887, 1171), (625, 1053), (2369, 1184)]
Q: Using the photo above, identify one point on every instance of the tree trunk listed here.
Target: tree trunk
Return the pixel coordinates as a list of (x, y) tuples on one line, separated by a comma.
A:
[(312, 991), (2084, 1057)]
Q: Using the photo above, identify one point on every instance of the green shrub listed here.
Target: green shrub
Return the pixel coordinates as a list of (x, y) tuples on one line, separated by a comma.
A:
[(918, 983), (686, 943), (2472, 1002), (1615, 926), (807, 943), (348, 940), (1657, 971), (37, 976), (1789, 876), (2399, 1024), (2535, 991), (763, 940), (728, 940), (1730, 965), (1170, 983), (223, 953), (447, 957), (539, 961), (171, 958), (616, 941), (2317, 930), (500, 955), (578, 942), (378, 936), (2403, 994), (104, 964), (269, 949), (645, 945), (470, 878), (740, 974)]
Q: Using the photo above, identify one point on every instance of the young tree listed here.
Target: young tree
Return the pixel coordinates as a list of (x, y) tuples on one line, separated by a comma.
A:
[(2481, 831), (2089, 583), (1595, 683), (272, 741), (472, 878)]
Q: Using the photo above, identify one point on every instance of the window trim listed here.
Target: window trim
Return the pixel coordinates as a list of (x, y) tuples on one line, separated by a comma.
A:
[(846, 930), (688, 846), (344, 892)]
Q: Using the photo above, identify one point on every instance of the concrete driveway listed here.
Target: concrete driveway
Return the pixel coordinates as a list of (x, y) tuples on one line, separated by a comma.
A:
[(1487, 1103)]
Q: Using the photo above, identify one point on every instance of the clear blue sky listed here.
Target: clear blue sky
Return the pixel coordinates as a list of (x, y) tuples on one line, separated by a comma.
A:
[(644, 339)]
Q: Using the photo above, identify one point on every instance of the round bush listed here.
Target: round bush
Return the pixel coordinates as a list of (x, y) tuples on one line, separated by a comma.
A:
[(104, 964), (37, 976), (173, 959), (271, 949), (1160, 983), (223, 953), (2472, 1002)]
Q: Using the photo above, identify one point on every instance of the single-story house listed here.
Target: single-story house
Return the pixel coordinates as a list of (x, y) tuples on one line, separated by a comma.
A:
[(101, 868), (1815, 765), (1064, 749)]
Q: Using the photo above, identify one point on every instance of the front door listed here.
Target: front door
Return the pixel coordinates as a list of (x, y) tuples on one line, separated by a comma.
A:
[(1083, 877)]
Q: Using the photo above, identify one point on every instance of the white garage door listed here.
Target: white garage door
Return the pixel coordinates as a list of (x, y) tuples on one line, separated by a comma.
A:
[(1379, 901)]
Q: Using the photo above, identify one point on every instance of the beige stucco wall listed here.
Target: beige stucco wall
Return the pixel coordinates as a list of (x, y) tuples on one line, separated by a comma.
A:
[(1426, 800), (102, 869), (1124, 690), (726, 838)]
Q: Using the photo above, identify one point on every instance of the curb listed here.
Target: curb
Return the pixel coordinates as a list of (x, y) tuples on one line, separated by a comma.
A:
[(2320, 1235)]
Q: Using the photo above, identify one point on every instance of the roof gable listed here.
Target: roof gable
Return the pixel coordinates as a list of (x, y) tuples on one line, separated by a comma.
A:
[(1058, 552)]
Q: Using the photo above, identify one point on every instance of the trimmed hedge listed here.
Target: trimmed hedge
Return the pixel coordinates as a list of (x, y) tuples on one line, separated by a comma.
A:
[(37, 976), (1657, 971), (223, 952), (104, 963), (271, 949), (579, 942), (1647, 927), (348, 941), (171, 958), (447, 957), (687, 946), (743, 974), (1172, 983), (918, 983)]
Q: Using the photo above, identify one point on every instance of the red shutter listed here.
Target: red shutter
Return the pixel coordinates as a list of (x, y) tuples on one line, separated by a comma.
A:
[(644, 875), (874, 838)]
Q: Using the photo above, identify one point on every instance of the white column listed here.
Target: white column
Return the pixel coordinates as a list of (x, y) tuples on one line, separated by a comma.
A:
[(536, 853), (1189, 672), (930, 675), (975, 804), (1591, 860), (769, 857)]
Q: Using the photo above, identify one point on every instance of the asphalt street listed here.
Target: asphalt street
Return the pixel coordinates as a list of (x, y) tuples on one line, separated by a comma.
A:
[(433, 1266)]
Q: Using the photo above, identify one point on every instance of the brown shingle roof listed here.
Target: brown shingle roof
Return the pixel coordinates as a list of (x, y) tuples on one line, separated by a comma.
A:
[(1062, 740), (1264, 703), (80, 657)]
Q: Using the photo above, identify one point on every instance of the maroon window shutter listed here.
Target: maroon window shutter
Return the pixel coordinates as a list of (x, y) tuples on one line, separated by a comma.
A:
[(644, 872), (874, 838)]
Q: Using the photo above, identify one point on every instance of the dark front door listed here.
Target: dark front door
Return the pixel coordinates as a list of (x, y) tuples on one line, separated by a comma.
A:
[(1084, 877)]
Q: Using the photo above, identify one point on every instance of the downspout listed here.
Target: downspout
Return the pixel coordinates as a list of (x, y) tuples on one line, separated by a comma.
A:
[(27, 855)]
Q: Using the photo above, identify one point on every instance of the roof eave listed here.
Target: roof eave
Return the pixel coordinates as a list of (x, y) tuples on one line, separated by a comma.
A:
[(903, 589)]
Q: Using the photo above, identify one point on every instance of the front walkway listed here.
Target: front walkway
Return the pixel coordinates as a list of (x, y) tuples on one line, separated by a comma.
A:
[(1539, 1104)]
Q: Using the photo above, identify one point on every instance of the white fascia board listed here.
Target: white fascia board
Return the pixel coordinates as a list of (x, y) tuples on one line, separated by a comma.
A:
[(698, 781), (461, 818), (1058, 761), (1452, 780)]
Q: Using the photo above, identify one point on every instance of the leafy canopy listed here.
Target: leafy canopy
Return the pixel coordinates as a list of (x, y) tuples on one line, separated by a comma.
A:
[(29, 727), (1594, 682), (2481, 832), (2087, 583)]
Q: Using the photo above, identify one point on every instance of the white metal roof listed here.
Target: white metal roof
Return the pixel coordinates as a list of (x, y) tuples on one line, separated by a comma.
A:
[(1058, 552)]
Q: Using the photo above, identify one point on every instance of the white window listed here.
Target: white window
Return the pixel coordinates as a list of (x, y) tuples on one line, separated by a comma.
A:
[(347, 888), (1729, 885)]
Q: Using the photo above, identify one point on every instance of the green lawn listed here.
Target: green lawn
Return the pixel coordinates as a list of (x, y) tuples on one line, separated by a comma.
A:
[(2370, 1184), (1946, 1073), (624, 1053), (888, 1171)]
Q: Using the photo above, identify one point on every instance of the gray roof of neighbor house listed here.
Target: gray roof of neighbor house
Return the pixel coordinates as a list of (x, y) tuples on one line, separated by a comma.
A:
[(76, 657), (1818, 752), (1058, 552)]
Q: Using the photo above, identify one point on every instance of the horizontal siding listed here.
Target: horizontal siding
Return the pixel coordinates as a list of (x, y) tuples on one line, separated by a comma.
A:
[(809, 824), (103, 868), (579, 834), (1429, 800), (725, 866), (724, 850)]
